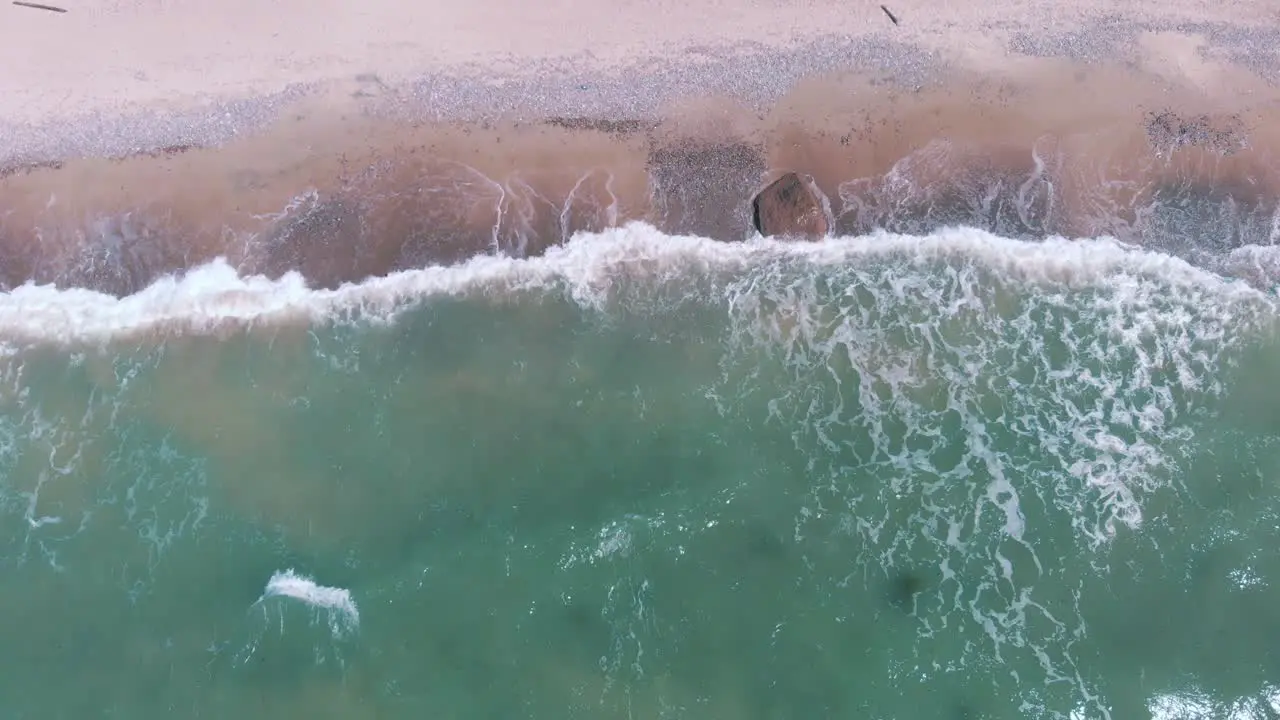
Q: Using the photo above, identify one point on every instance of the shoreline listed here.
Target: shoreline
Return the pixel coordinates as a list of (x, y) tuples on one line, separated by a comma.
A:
[(1070, 132), (346, 196)]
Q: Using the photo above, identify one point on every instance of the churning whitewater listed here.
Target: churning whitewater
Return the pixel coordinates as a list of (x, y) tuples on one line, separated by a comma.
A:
[(943, 476), (211, 297)]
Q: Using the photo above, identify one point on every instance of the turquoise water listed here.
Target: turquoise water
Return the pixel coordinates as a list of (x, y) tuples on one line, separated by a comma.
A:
[(948, 477)]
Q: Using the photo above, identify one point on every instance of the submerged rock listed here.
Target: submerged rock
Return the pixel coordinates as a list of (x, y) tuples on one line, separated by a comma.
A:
[(793, 206), (903, 589)]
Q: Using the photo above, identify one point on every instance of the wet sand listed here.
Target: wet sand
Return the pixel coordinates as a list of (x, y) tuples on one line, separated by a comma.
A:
[(357, 158)]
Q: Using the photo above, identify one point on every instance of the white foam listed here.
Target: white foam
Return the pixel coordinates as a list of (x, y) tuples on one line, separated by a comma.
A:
[(213, 296), (1257, 263), (344, 615), (944, 398), (1193, 704)]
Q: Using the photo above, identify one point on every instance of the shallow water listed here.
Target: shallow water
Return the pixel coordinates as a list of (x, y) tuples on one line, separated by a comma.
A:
[(940, 476), (340, 196)]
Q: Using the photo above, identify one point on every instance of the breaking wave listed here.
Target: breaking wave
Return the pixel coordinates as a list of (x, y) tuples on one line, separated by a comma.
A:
[(590, 268)]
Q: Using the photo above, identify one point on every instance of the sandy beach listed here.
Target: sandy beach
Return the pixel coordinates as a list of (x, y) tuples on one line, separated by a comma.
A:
[(112, 57), (347, 141), (181, 52)]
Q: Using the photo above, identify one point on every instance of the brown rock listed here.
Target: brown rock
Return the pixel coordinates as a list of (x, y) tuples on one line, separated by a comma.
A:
[(793, 206)]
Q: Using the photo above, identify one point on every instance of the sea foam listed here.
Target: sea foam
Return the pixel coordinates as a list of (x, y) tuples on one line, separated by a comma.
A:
[(344, 616)]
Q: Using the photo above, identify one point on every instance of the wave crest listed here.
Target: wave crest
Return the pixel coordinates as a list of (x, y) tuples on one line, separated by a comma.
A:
[(590, 268)]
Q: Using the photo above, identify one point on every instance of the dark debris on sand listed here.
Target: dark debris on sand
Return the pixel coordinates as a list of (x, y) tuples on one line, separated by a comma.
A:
[(166, 151), (602, 125), (24, 168), (1168, 131), (704, 188)]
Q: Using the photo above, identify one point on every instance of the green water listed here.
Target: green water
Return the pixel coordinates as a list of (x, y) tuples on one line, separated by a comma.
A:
[(953, 477)]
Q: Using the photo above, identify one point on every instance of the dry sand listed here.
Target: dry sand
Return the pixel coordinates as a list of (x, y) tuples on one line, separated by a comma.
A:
[(116, 54), (427, 132), (111, 57)]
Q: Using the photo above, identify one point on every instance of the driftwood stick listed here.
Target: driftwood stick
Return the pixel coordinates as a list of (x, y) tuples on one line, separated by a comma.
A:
[(38, 6)]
